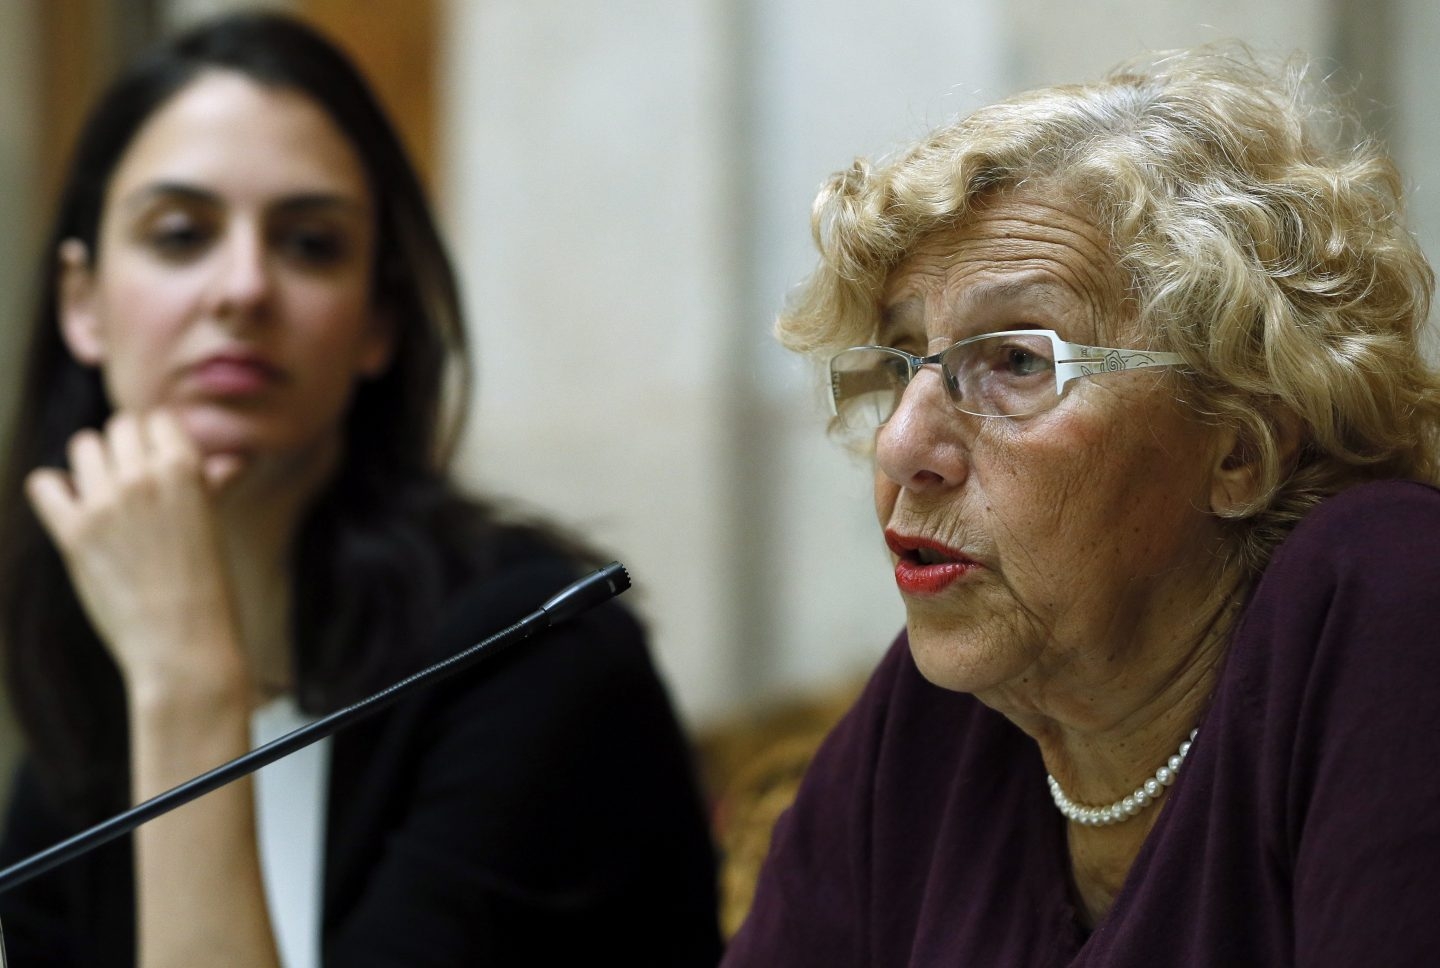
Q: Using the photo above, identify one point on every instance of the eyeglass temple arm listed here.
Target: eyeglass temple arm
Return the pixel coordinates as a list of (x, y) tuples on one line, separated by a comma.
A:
[(1105, 359)]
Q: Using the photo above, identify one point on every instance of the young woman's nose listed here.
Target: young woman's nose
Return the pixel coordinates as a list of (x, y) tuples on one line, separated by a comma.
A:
[(922, 446), (243, 281)]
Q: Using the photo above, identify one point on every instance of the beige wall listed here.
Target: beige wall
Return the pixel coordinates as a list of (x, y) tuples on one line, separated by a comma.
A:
[(1415, 132), (627, 190)]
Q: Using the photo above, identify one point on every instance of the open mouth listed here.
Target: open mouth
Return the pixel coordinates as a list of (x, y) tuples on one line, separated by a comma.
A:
[(926, 568), (925, 552), (929, 556)]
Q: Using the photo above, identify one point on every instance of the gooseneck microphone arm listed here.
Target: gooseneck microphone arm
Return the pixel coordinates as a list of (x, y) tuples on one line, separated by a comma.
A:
[(597, 587)]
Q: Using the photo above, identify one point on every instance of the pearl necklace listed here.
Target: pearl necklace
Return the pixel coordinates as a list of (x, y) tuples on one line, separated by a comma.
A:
[(1125, 807)]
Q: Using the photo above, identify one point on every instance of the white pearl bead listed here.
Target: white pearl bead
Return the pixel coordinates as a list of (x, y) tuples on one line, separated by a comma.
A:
[(1126, 807)]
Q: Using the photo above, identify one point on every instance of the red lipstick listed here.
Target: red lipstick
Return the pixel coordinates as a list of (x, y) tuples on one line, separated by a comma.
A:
[(926, 567)]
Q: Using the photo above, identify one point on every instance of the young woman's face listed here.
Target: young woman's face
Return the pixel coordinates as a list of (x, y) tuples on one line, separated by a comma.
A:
[(233, 277)]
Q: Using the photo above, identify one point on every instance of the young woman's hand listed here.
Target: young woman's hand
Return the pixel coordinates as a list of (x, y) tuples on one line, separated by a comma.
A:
[(134, 520)]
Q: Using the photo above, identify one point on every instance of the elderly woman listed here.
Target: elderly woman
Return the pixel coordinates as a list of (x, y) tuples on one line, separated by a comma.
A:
[(1154, 446)]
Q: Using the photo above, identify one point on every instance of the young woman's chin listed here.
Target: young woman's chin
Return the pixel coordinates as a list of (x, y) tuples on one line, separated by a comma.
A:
[(216, 431), (267, 438)]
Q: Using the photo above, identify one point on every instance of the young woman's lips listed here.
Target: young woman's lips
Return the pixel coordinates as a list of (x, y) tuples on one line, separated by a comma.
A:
[(234, 375), (925, 567)]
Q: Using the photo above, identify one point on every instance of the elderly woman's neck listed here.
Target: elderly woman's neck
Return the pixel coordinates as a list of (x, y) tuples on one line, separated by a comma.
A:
[(1101, 710), (1103, 731), (1104, 751)]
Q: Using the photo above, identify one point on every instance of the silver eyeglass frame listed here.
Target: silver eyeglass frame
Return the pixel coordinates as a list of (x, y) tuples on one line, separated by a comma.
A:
[(1071, 361)]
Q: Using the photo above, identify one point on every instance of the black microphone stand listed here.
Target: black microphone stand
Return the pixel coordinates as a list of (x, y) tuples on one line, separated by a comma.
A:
[(597, 587)]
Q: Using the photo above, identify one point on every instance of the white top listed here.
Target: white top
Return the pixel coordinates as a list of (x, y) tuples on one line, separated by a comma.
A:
[(290, 801)]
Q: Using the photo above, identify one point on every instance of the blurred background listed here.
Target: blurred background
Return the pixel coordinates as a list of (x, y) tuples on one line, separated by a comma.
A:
[(626, 187)]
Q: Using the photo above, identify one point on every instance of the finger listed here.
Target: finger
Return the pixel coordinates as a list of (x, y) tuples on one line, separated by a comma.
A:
[(169, 438), (51, 495), (174, 452), (128, 452), (221, 469), (89, 464)]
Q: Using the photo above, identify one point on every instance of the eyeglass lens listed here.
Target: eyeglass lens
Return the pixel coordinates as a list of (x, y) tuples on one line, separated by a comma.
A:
[(999, 375)]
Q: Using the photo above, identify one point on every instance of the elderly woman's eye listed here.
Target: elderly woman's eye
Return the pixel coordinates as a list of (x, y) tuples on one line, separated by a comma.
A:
[(1013, 356), (1022, 362)]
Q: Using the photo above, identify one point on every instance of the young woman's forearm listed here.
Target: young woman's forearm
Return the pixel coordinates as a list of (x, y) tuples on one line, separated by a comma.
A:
[(199, 894)]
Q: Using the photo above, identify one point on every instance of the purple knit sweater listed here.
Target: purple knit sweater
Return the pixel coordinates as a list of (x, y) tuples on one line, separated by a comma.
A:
[(1303, 830)]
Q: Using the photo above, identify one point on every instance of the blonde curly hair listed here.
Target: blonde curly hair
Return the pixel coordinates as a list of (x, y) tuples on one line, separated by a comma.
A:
[(1258, 239)]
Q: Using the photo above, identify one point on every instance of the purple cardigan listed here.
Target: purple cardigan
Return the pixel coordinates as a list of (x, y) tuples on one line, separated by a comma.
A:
[(1303, 830)]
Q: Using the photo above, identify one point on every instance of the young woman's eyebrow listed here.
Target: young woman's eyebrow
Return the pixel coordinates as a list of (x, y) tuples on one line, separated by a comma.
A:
[(181, 191)]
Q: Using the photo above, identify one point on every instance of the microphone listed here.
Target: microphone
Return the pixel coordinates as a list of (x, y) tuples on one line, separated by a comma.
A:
[(579, 596)]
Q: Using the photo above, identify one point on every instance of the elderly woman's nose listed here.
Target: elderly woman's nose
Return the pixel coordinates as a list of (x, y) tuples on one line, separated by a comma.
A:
[(919, 447)]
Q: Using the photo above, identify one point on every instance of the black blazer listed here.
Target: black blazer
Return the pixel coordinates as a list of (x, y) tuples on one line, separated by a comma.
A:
[(537, 809)]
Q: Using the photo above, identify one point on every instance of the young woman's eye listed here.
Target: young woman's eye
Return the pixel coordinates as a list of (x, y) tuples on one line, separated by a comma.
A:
[(315, 247), (177, 239)]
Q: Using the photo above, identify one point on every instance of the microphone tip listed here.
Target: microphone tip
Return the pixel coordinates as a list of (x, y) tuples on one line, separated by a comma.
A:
[(617, 576), (602, 584)]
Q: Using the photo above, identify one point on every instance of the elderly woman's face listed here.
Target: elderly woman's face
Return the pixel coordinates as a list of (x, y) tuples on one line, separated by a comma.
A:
[(1047, 550)]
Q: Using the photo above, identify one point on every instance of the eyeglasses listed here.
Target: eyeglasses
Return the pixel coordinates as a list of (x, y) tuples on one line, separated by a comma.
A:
[(1010, 374)]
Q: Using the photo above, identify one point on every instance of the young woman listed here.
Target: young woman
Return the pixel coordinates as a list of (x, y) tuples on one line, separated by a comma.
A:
[(233, 440)]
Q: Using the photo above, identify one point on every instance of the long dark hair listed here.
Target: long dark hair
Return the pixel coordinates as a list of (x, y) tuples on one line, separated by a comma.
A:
[(385, 542)]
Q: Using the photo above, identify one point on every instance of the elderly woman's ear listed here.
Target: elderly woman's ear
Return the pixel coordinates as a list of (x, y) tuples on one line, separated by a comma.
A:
[(1245, 473)]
